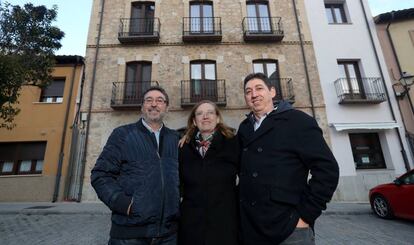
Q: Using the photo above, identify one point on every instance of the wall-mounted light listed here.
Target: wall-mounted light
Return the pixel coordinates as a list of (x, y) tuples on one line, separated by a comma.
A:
[(406, 81)]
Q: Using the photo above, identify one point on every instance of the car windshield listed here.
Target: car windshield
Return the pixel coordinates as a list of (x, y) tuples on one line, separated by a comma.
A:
[(408, 179)]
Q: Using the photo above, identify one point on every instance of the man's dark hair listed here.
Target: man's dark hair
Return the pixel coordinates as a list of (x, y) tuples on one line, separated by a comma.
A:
[(156, 88), (260, 76)]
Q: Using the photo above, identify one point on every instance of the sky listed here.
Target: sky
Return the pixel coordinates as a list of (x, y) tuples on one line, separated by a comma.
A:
[(73, 18)]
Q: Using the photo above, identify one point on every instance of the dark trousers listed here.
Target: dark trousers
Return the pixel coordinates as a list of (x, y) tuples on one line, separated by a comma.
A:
[(170, 240), (300, 236)]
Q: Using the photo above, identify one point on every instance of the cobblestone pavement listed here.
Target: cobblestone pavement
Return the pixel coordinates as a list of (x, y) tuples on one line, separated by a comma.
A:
[(56, 229), (363, 229)]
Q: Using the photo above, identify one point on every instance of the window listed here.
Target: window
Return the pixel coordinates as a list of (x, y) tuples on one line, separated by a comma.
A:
[(203, 80), (202, 20), (22, 158), (54, 92), (352, 81), (335, 12), (142, 18), (138, 79), (408, 179), (258, 17), (271, 69), (367, 152)]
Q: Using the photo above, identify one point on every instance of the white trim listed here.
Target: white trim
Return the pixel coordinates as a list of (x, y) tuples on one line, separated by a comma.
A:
[(373, 125)]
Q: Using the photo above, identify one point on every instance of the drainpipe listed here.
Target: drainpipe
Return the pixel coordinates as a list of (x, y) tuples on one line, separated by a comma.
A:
[(62, 142), (394, 52), (305, 63), (403, 152), (91, 92)]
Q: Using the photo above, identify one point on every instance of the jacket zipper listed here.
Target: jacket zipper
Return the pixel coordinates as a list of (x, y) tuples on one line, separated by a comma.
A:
[(163, 195)]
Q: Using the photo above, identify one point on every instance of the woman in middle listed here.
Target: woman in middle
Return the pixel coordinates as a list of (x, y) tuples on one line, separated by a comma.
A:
[(208, 166)]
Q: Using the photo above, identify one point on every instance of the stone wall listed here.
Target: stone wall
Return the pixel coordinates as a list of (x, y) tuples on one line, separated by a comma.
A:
[(171, 59)]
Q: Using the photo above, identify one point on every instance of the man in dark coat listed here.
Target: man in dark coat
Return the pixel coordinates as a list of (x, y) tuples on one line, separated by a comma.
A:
[(280, 146), (136, 176)]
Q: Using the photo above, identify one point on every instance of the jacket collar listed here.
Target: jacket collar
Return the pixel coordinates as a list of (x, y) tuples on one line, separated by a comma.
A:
[(151, 136), (249, 135), (217, 143)]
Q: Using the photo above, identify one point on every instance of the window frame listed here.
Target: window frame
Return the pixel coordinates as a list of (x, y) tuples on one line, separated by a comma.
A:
[(54, 99), (142, 20), (19, 154), (349, 79), (374, 149), (203, 23), (16, 167), (134, 88), (277, 85), (332, 7), (208, 88)]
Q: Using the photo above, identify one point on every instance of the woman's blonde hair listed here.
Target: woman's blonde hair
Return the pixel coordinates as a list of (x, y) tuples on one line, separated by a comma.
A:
[(225, 130)]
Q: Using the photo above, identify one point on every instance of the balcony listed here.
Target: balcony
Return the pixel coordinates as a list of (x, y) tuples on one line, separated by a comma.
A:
[(284, 90), (202, 29), (129, 95), (262, 29), (360, 90), (196, 90), (139, 30)]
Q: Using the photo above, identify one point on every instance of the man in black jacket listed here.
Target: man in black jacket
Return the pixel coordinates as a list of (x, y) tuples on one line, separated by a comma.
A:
[(280, 147), (136, 176)]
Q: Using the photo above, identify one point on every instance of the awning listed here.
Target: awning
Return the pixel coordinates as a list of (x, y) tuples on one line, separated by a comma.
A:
[(366, 126)]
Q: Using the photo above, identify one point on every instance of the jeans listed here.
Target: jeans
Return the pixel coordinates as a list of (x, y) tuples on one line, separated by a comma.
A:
[(170, 240), (300, 236)]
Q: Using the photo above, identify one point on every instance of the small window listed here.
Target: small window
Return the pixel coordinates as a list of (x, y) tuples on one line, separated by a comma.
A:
[(335, 12), (7, 167), (203, 84), (201, 14), (137, 80), (54, 92), (350, 74), (367, 152), (22, 158), (258, 17)]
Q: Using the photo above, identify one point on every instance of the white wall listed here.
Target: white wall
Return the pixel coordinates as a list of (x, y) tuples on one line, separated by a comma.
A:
[(352, 41)]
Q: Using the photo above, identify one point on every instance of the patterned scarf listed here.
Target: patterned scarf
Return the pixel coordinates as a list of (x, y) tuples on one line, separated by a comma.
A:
[(203, 144)]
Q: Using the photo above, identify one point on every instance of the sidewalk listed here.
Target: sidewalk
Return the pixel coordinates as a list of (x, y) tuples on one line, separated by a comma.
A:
[(45, 208)]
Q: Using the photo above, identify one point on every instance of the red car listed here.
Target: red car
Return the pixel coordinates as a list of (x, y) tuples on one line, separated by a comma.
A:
[(394, 199)]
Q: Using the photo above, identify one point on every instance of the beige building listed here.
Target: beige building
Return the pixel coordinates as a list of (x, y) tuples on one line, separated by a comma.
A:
[(396, 35), (195, 50), (34, 155)]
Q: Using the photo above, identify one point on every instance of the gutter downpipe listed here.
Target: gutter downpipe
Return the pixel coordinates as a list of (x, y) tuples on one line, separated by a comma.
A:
[(403, 152), (304, 58), (91, 92), (62, 142)]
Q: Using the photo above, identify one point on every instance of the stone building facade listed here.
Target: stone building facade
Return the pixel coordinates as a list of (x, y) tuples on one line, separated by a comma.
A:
[(195, 50)]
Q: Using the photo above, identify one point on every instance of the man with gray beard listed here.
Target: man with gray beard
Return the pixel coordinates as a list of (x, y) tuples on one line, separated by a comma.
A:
[(136, 176)]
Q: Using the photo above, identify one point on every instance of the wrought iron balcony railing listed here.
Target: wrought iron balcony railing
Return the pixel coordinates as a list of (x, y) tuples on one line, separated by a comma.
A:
[(195, 90), (284, 89), (129, 94), (368, 90), (203, 29), (135, 30), (262, 29)]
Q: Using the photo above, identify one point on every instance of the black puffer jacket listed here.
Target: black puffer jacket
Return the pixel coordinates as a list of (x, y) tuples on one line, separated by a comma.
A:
[(131, 168)]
